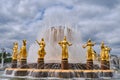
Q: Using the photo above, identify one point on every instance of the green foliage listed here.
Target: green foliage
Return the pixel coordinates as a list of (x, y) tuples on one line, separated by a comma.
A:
[(8, 60), (7, 57), (3, 54), (8, 54)]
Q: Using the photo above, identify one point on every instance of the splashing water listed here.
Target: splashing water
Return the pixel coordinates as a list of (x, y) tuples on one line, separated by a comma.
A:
[(52, 36)]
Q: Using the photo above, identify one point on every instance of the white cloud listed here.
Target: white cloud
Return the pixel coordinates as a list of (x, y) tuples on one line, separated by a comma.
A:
[(96, 19)]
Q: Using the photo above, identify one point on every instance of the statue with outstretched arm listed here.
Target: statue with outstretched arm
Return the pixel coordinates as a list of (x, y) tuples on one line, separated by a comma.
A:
[(64, 44), (41, 51), (90, 51)]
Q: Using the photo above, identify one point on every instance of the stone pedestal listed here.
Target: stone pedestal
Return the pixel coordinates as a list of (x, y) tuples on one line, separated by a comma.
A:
[(108, 65), (14, 63), (40, 63), (89, 64), (64, 64), (103, 64), (23, 63)]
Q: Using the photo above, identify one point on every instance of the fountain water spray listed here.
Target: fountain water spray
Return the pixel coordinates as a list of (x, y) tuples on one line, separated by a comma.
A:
[(52, 36)]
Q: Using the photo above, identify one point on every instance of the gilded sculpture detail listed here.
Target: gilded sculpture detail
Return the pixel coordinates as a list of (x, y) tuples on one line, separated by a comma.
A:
[(23, 53), (41, 51), (104, 54), (15, 51), (90, 51), (64, 45)]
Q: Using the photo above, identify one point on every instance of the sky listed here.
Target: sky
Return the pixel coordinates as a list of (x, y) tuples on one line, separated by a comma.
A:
[(98, 20)]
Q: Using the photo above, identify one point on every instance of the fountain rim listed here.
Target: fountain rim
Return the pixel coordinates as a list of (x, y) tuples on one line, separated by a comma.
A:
[(58, 70)]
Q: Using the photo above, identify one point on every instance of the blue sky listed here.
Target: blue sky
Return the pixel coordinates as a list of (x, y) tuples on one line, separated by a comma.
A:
[(96, 19)]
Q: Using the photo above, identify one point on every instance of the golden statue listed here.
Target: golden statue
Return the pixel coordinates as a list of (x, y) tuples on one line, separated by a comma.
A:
[(102, 53), (41, 51), (64, 45), (19, 55), (90, 51), (107, 51), (15, 51), (23, 50), (94, 55)]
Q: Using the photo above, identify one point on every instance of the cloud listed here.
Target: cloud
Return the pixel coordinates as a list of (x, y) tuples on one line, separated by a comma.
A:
[(95, 19)]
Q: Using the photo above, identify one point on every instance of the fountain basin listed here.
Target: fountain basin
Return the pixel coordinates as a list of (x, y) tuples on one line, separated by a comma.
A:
[(59, 73)]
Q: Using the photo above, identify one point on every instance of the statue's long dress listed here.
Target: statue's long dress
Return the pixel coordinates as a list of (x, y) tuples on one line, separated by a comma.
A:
[(24, 52), (14, 56), (89, 54), (41, 52), (64, 52)]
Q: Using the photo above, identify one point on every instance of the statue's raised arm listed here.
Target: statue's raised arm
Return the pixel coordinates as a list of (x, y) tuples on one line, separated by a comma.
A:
[(84, 46), (24, 41), (69, 44), (37, 42)]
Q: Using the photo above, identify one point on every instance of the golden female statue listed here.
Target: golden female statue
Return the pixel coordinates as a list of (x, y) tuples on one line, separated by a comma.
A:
[(23, 50), (41, 51), (90, 51), (107, 50), (64, 45), (19, 55), (102, 53), (15, 51), (95, 56)]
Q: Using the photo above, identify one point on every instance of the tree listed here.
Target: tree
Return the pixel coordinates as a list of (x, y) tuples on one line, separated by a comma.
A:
[(5, 56)]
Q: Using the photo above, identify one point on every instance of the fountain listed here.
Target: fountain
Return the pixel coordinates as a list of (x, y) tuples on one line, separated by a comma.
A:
[(52, 36), (53, 62)]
